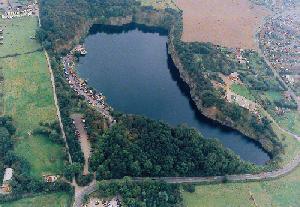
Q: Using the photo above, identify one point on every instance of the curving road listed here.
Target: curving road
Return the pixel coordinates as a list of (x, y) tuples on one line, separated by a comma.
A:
[(79, 195)]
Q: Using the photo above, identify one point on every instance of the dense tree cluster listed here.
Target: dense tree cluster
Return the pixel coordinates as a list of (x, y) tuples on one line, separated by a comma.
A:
[(138, 146), (7, 130), (146, 193), (52, 131), (63, 19), (67, 101)]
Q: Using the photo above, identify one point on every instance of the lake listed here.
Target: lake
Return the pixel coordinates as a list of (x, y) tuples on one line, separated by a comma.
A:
[(131, 67)]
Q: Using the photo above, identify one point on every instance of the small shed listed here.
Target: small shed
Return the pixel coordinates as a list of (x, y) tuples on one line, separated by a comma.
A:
[(7, 175)]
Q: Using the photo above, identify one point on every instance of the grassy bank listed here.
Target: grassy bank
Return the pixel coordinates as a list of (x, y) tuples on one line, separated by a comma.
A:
[(28, 96), (282, 192), (50, 200)]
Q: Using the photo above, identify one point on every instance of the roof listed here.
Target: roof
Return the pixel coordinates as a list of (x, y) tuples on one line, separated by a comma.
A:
[(8, 174)]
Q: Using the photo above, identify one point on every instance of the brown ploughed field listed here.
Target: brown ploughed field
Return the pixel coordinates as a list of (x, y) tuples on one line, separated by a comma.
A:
[(229, 23)]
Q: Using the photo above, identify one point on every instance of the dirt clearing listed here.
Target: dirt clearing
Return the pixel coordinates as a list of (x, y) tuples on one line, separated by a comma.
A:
[(84, 141), (229, 23)]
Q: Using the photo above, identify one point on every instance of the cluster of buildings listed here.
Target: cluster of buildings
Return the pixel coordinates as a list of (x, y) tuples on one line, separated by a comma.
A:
[(12, 9), (80, 86), (114, 202), (239, 56), (280, 42)]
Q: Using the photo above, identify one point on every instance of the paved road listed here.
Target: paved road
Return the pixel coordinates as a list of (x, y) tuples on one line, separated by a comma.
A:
[(200, 180), (245, 177)]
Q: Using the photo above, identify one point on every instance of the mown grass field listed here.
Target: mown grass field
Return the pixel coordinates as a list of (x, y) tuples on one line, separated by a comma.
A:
[(50, 200), (277, 193), (242, 91), (28, 96)]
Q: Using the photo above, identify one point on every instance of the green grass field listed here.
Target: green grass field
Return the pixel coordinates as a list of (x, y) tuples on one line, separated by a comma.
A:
[(274, 95), (242, 91), (28, 95), (50, 200), (290, 121), (277, 193), (17, 33)]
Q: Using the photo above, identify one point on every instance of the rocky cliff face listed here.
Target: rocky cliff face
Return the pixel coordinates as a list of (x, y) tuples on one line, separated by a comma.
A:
[(212, 113), (119, 21)]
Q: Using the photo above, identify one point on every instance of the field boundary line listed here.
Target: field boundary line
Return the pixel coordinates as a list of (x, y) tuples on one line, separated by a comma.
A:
[(56, 104)]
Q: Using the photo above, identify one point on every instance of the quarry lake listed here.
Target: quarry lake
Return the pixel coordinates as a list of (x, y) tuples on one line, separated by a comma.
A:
[(131, 67)]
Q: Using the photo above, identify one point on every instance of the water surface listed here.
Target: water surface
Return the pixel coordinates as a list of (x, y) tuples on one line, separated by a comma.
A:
[(131, 67)]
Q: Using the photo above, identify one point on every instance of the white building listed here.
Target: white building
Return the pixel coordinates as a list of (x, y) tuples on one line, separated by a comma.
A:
[(5, 187)]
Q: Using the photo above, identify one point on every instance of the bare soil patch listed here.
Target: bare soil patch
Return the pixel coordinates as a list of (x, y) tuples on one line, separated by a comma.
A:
[(229, 23)]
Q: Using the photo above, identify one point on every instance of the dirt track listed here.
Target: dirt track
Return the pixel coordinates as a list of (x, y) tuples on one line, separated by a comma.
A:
[(230, 23)]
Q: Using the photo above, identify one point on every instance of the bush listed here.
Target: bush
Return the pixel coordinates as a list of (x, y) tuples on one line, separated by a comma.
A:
[(84, 180), (189, 188)]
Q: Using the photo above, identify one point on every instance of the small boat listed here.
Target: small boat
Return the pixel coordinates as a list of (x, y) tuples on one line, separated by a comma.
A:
[(83, 52)]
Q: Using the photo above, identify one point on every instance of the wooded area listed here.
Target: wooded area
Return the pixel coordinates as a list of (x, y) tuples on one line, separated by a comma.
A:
[(144, 193), (140, 147)]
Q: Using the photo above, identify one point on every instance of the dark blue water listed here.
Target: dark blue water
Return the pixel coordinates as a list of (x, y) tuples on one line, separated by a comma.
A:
[(131, 67)]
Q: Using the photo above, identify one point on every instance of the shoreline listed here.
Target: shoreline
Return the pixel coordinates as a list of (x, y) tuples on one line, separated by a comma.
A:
[(190, 86), (184, 76)]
